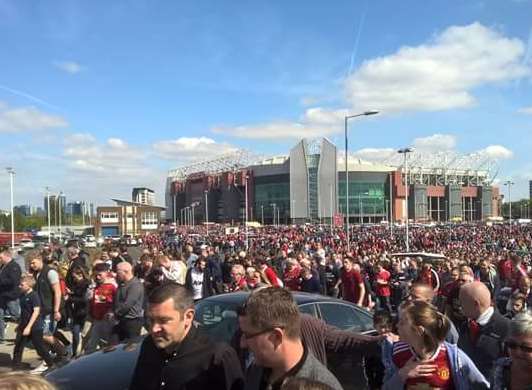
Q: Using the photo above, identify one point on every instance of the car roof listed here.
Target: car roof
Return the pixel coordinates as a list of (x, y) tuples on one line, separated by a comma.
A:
[(301, 298)]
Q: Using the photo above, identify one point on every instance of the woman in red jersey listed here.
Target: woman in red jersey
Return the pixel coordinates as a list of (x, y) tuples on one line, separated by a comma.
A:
[(422, 360)]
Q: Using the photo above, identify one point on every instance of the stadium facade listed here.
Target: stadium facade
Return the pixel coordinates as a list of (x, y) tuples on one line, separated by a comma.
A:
[(309, 185)]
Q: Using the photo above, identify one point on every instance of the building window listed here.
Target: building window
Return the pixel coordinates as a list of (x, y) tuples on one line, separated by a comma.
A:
[(108, 216), (149, 220)]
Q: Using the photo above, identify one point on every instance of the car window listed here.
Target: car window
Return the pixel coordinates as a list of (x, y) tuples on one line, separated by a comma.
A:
[(219, 320), (345, 317), (308, 308)]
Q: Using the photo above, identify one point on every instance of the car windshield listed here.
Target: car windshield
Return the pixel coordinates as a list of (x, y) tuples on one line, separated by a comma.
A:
[(218, 319)]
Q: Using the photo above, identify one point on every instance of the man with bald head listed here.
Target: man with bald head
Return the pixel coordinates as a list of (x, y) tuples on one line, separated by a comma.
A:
[(482, 336), (424, 292), (421, 292), (128, 303)]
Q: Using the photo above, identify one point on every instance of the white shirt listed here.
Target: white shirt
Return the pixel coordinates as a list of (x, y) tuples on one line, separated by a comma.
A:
[(197, 283), (485, 317), (176, 273)]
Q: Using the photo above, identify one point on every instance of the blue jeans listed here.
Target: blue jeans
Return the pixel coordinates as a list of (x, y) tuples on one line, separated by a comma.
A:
[(50, 325), (76, 336), (12, 309)]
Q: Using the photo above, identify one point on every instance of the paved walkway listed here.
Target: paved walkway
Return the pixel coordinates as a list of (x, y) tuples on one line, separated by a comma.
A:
[(6, 352)]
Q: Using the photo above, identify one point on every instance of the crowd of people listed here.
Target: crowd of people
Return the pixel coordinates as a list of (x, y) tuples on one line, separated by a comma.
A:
[(458, 320)]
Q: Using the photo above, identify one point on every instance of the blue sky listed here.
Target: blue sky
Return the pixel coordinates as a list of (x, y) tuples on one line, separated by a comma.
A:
[(97, 97)]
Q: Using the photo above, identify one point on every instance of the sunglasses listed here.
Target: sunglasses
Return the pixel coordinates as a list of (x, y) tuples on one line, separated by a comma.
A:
[(249, 336), (513, 345)]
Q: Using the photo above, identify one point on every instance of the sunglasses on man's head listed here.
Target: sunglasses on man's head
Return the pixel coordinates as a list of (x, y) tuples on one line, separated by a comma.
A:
[(249, 336), (514, 345)]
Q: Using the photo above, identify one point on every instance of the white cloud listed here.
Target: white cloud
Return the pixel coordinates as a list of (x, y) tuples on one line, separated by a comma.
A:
[(315, 122), (435, 142), (114, 158), (16, 120), (191, 148), (439, 75), (110, 169), (497, 152), (69, 66), (525, 110)]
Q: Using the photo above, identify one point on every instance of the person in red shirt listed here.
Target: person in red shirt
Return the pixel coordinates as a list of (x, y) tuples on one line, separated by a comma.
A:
[(101, 307), (382, 287), (292, 275), (267, 273), (518, 272), (353, 289), (505, 271), (429, 277)]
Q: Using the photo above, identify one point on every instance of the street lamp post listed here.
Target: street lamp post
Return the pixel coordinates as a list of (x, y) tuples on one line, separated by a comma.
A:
[(206, 211), (262, 214), (48, 207), (391, 207), (273, 205), (405, 152), (331, 212), (175, 209), (11, 172), (346, 119), (247, 210), (509, 183), (59, 213)]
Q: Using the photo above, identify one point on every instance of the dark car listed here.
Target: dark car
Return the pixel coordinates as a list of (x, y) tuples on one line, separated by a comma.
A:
[(112, 368)]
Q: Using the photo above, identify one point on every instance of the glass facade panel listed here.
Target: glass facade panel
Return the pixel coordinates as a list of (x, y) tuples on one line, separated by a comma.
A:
[(313, 161), (272, 193), (364, 198)]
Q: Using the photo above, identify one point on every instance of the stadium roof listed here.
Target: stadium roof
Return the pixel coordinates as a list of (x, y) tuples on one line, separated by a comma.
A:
[(427, 162), (233, 161), (421, 162), (356, 164)]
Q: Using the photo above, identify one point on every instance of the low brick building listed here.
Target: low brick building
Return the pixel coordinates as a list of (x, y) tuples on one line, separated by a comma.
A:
[(127, 218)]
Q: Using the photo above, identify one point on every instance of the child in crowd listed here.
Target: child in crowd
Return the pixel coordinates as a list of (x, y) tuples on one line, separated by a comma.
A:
[(31, 324), (375, 365), (101, 307), (517, 305)]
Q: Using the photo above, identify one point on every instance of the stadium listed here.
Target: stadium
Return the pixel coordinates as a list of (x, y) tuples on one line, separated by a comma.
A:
[(309, 185)]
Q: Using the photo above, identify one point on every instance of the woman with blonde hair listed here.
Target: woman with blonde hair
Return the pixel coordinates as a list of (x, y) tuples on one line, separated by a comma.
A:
[(423, 358), (24, 381), (238, 276)]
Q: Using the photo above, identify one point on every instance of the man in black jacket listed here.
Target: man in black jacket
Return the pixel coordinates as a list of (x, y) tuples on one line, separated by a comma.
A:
[(482, 336), (175, 355), (9, 288)]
